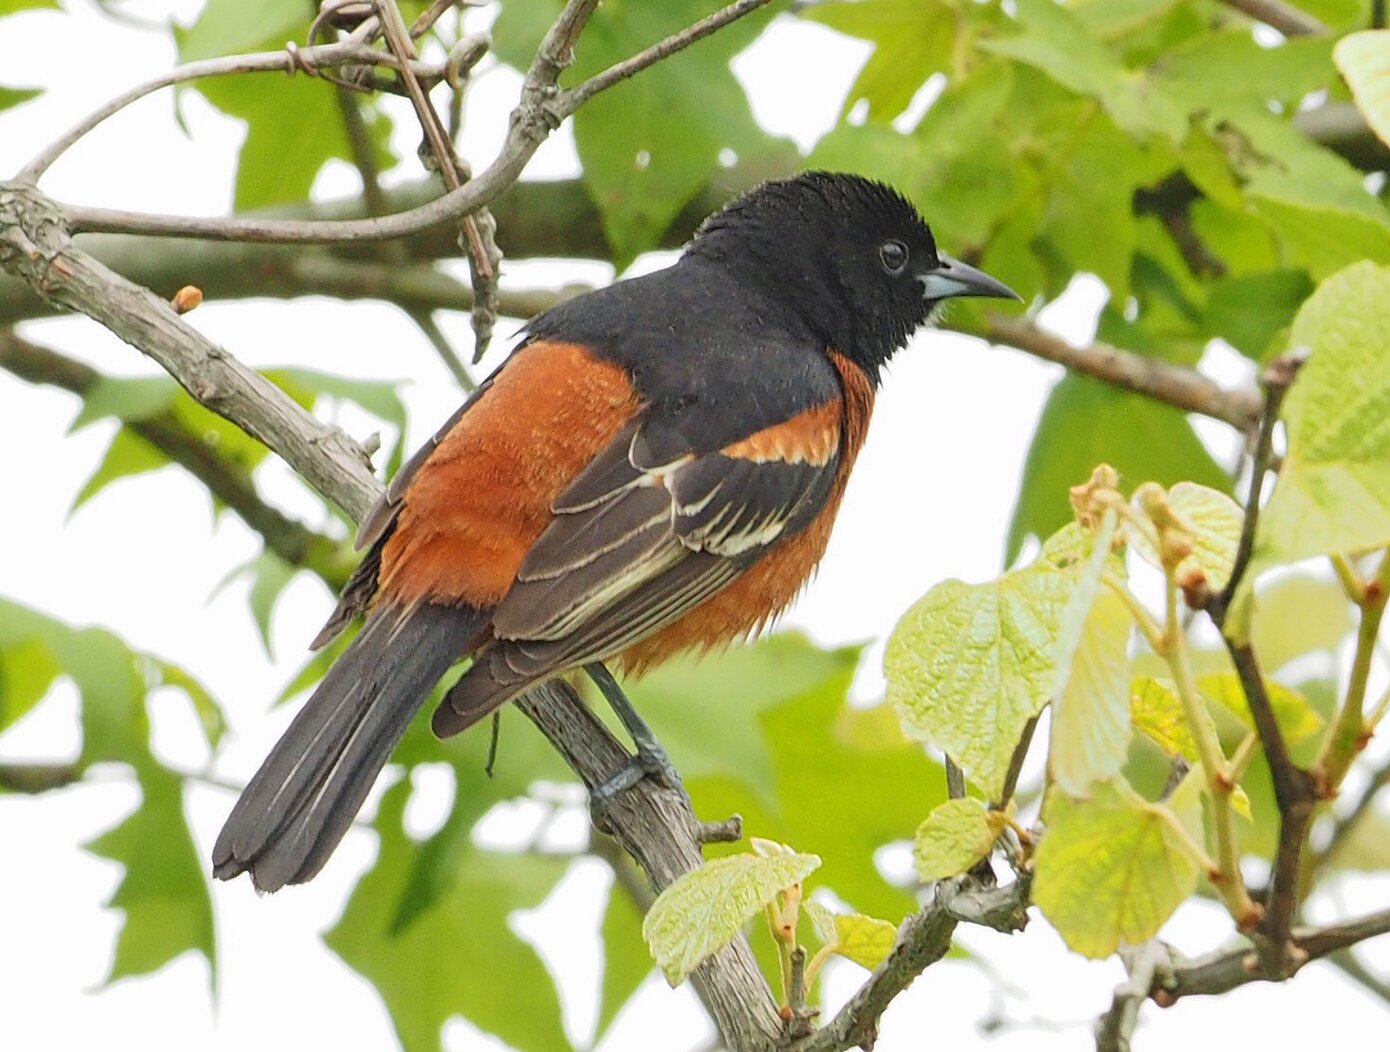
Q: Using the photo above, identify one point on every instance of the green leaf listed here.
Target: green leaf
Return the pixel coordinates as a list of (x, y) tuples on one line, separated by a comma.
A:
[(136, 398), (14, 96), (1251, 74), (955, 836), (1156, 711), (461, 952), (1333, 492), (381, 398), (1110, 869), (228, 27), (969, 665), (1056, 42), (684, 698), (1299, 615), (1090, 716), (27, 670), (1292, 711), (168, 909), (1144, 440), (210, 715), (1364, 59), (651, 143), (1250, 310), (269, 576), (10, 7), (912, 40), (626, 962), (867, 941), (127, 455), (703, 910), (1214, 521)]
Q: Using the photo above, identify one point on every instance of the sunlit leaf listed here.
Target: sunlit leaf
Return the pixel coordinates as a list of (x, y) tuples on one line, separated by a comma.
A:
[(1364, 59), (955, 836), (1110, 869), (1214, 521), (707, 907), (1333, 492), (969, 665)]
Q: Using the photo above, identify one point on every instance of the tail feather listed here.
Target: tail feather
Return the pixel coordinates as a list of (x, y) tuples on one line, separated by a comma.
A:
[(300, 803)]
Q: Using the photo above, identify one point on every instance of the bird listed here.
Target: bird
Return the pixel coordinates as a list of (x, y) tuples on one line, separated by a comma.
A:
[(655, 468)]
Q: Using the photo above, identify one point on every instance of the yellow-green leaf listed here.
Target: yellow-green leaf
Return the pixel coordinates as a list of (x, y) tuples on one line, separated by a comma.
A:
[(1090, 717), (956, 835), (703, 910), (1295, 716), (969, 665), (1111, 869), (864, 940), (1298, 615), (1214, 520), (1333, 493), (1155, 710), (1364, 59)]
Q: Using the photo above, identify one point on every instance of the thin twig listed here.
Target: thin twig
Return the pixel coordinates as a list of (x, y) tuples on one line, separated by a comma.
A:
[(1295, 790), (429, 327), (1115, 1028), (1286, 18), (614, 74), (923, 939), (343, 53), (1220, 972), (1346, 824)]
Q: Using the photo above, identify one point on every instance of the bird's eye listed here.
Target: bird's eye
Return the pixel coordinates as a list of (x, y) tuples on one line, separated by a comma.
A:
[(893, 254)]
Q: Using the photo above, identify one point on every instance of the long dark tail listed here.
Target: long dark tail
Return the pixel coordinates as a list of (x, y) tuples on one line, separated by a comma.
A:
[(306, 794)]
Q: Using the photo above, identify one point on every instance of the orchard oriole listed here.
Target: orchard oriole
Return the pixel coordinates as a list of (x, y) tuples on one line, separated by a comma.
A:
[(655, 468)]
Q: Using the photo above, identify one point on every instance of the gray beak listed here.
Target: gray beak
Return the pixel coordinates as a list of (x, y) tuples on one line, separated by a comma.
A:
[(954, 278)]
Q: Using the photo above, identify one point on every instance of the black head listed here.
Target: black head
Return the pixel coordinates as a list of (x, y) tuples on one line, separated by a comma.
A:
[(848, 256)]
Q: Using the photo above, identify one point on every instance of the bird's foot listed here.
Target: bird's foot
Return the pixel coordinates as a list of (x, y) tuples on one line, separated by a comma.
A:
[(650, 761)]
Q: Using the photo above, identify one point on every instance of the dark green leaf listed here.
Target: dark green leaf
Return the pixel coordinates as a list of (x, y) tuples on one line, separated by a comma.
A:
[(1248, 311)]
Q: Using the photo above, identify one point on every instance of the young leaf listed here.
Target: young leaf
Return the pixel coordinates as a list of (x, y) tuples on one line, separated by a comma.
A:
[(969, 665), (864, 940), (1090, 716), (1156, 711), (703, 910), (1215, 521), (1333, 493), (1364, 59), (1110, 869), (955, 836), (1296, 717)]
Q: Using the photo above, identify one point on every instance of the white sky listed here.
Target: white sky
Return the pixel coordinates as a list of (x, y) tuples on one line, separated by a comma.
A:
[(930, 499)]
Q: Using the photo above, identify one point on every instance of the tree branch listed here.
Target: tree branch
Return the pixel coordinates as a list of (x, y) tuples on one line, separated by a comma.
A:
[(1115, 1029), (1220, 972), (1178, 386), (923, 939)]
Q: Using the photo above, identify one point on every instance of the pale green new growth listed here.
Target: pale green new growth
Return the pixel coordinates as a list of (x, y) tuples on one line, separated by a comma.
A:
[(706, 908), (955, 836), (1155, 710), (1295, 715), (969, 665), (1214, 520), (1364, 59), (864, 940), (1090, 718), (1112, 868), (1333, 493)]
